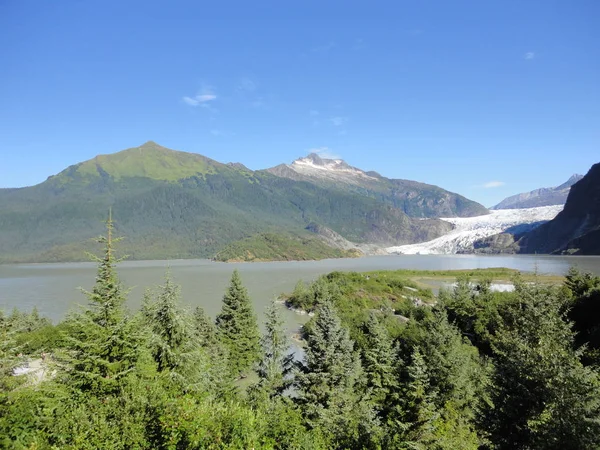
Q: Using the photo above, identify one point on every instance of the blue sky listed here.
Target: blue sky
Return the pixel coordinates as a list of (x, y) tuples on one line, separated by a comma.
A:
[(462, 94)]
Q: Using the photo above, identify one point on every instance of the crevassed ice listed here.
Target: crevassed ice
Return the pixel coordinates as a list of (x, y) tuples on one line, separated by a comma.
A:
[(469, 229)]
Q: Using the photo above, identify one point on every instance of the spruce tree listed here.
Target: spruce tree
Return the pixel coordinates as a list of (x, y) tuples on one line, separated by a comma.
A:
[(327, 384), (205, 328), (277, 362), (174, 343), (237, 327), (217, 370), (102, 342), (457, 373), (543, 397), (379, 363), (417, 409)]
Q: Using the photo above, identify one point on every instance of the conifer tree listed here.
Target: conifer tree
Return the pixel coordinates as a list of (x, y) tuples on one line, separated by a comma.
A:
[(327, 384), (543, 397), (379, 364), (330, 363), (277, 362), (205, 328), (237, 327), (217, 370), (8, 353), (458, 375), (417, 408), (102, 341), (580, 283), (174, 343)]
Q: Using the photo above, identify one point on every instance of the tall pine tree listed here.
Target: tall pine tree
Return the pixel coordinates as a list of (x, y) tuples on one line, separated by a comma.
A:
[(102, 342), (415, 422), (327, 384), (205, 328), (174, 343), (379, 363), (277, 361), (237, 327)]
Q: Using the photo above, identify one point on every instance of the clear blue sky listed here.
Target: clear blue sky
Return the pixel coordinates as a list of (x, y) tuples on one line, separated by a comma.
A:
[(461, 94)]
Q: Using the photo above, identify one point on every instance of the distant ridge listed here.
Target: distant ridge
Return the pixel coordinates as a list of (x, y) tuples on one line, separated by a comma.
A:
[(412, 197), (540, 197), (576, 229)]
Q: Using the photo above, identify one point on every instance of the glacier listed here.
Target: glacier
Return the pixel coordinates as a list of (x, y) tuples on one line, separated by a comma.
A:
[(467, 230)]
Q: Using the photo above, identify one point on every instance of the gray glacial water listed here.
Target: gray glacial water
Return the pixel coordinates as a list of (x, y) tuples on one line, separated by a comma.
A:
[(53, 288)]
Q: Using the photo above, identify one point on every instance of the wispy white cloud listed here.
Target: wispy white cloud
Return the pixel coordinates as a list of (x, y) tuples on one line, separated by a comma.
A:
[(493, 184), (338, 121), (325, 47), (191, 101), (325, 152), (205, 95), (313, 113), (216, 132), (529, 55)]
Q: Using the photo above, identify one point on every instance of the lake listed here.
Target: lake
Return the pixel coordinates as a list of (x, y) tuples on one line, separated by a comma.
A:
[(53, 288)]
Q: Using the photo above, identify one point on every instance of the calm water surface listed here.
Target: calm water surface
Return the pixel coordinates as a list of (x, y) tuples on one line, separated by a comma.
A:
[(53, 288)]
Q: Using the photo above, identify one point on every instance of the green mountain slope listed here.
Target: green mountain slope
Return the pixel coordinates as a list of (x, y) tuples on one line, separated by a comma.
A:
[(413, 198), (172, 204), (147, 161)]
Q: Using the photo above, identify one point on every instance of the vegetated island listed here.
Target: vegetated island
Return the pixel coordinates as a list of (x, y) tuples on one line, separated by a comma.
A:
[(281, 247)]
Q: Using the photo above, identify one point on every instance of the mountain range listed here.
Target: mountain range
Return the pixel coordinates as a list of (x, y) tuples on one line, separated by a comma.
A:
[(540, 197), (574, 230), (413, 198), (173, 204)]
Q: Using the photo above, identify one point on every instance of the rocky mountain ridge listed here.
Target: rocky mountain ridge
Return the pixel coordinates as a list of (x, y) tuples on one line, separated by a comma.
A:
[(412, 197), (540, 197), (576, 230)]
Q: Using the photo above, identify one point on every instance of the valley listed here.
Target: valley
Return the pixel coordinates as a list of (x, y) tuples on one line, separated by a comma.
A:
[(468, 230), (170, 204)]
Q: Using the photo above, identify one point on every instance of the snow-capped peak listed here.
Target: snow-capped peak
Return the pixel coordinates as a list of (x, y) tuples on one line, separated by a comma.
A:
[(338, 169)]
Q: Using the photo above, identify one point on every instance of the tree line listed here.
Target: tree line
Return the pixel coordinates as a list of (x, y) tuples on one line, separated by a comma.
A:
[(477, 369)]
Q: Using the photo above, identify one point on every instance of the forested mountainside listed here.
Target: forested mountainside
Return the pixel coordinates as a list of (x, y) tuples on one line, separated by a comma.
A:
[(413, 198), (173, 204)]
